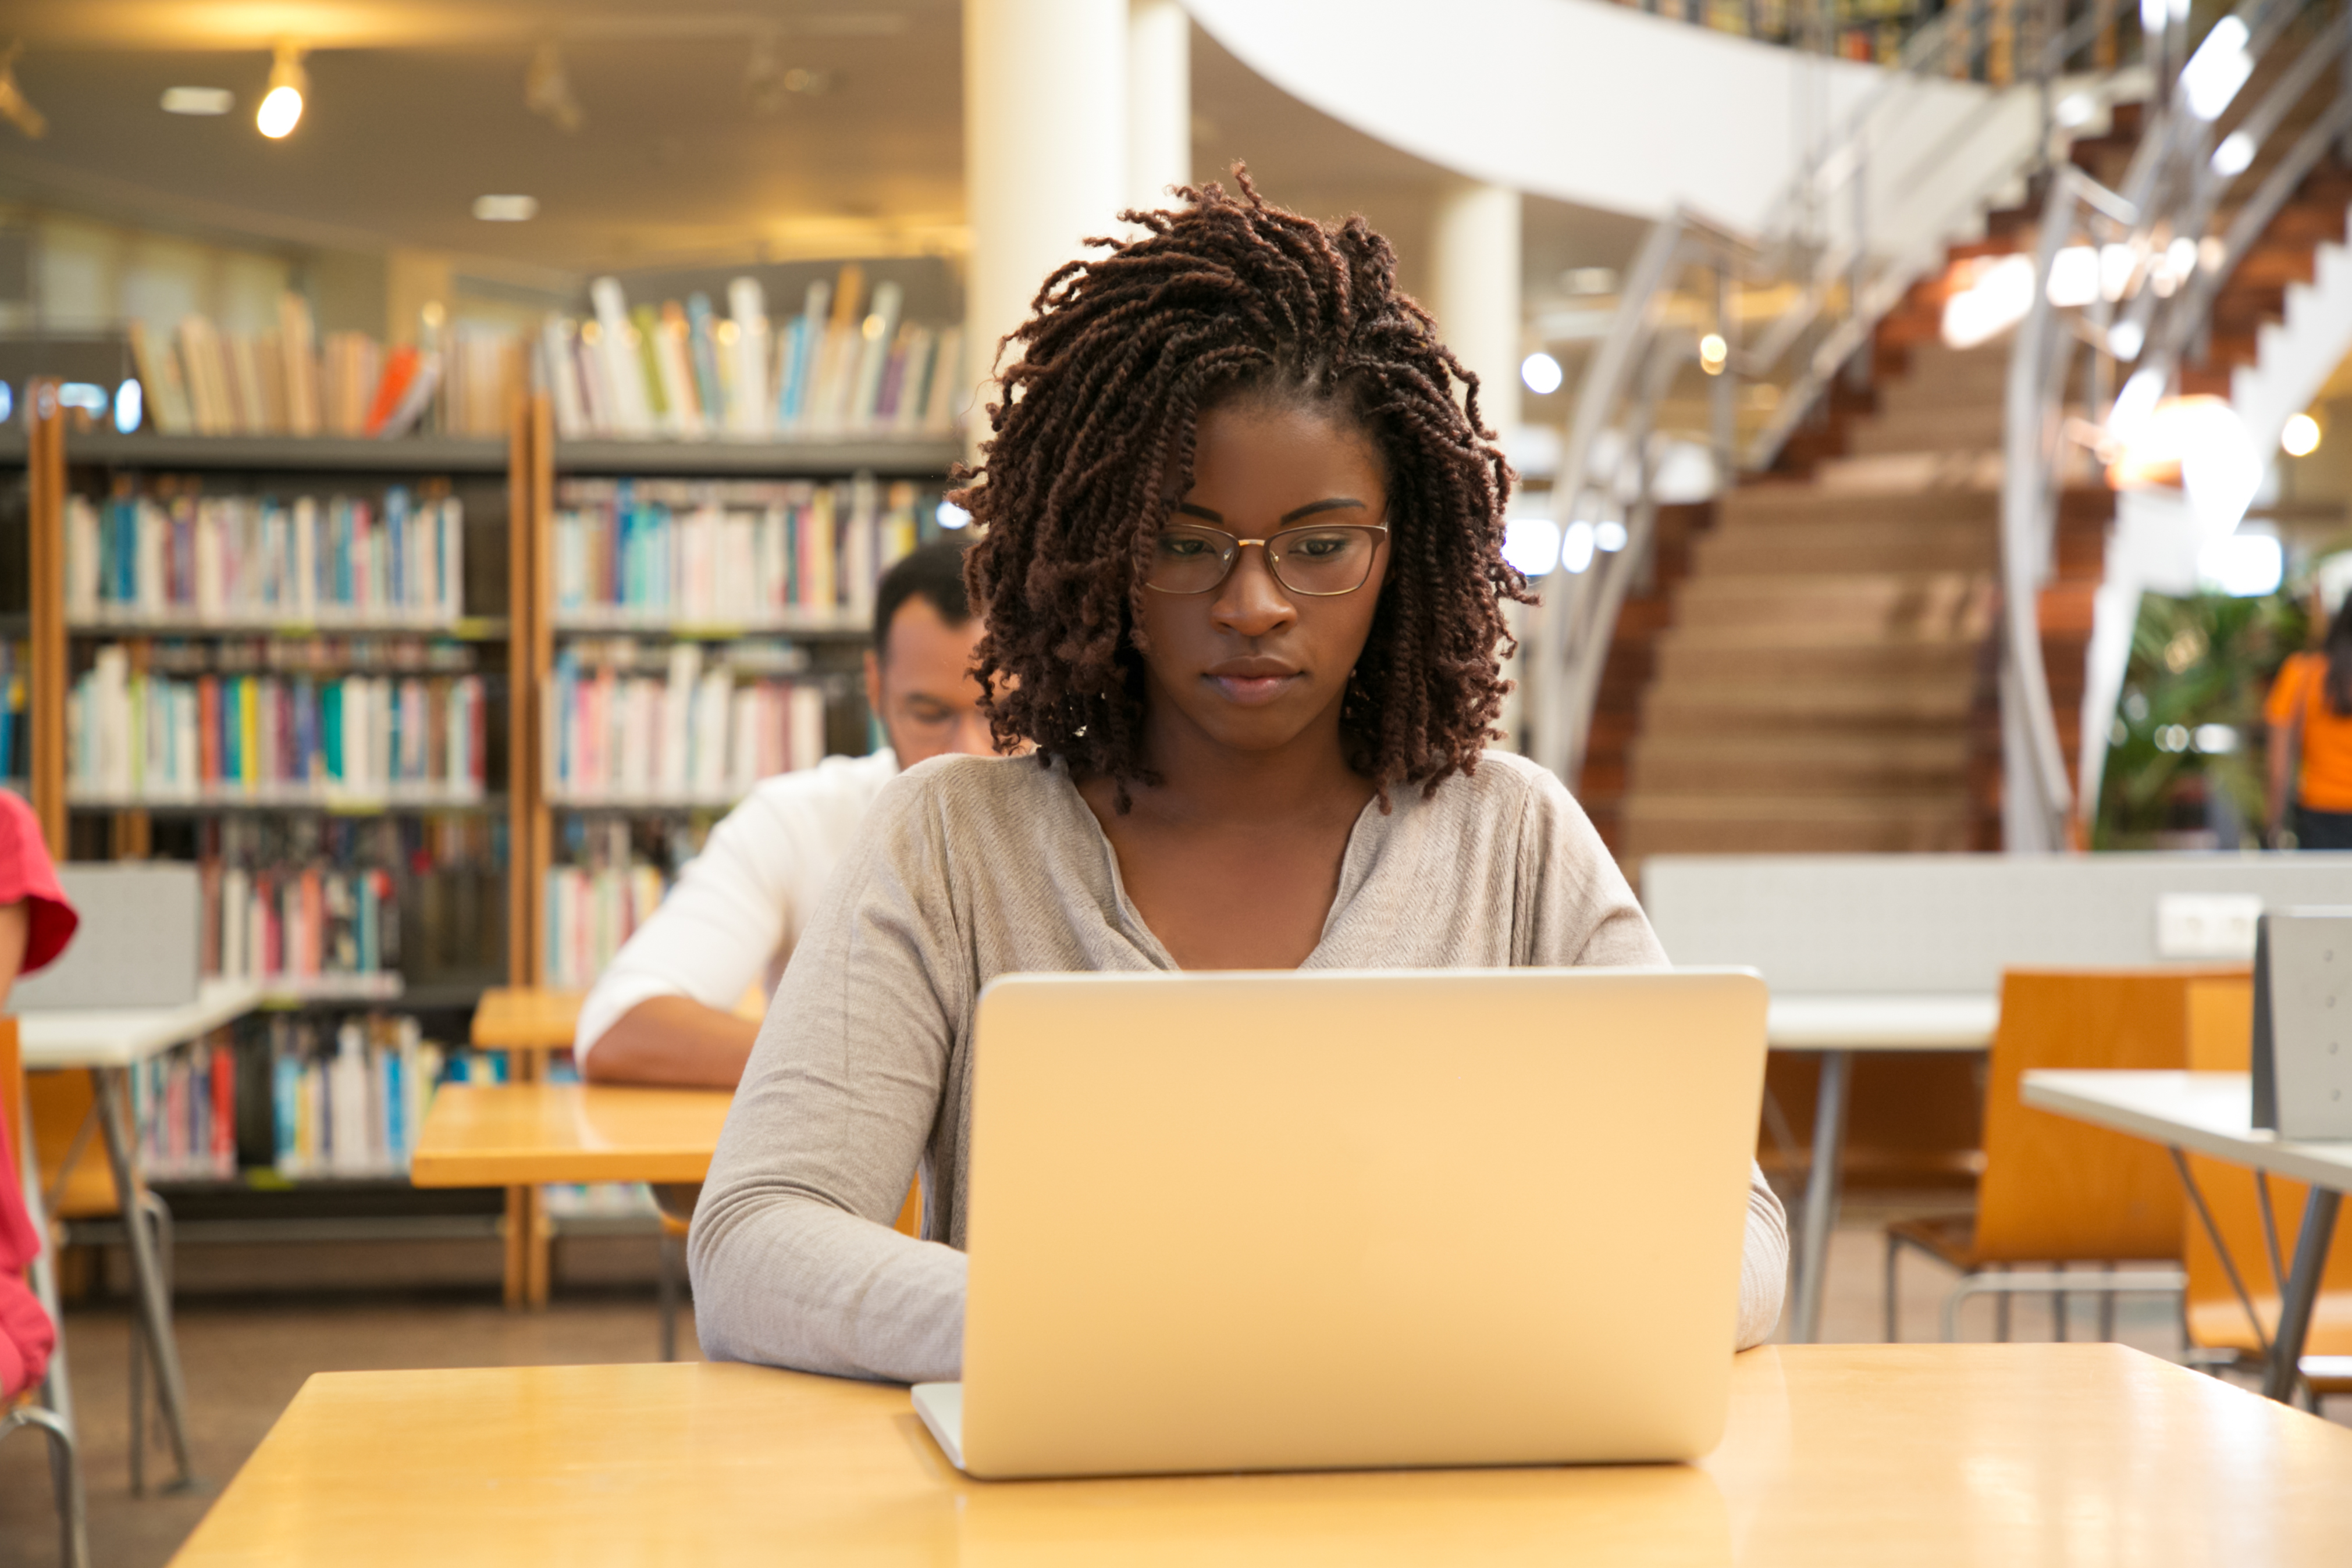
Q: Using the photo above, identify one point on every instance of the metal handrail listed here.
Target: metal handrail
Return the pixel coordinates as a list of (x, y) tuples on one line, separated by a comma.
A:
[(1841, 291), (2171, 192)]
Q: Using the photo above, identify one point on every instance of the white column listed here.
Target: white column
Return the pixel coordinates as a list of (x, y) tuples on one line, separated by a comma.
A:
[(1159, 100), (1476, 293), (1045, 149)]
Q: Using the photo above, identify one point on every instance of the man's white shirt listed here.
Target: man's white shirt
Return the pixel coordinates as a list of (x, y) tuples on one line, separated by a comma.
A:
[(740, 905)]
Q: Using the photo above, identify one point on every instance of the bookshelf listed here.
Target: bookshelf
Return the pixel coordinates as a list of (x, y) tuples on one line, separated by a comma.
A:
[(504, 628)]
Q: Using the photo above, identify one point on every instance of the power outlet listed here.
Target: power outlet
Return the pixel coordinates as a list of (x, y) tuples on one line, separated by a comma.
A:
[(2207, 925)]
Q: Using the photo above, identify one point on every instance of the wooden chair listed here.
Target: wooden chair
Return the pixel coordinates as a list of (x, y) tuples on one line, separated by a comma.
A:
[(52, 1411), (2056, 1191), (2253, 1255)]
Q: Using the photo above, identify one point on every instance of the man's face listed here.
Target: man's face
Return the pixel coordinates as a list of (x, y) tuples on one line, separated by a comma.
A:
[(922, 688)]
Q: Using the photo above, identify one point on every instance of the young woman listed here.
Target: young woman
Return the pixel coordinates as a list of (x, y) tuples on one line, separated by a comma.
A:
[(2310, 718), (1242, 581)]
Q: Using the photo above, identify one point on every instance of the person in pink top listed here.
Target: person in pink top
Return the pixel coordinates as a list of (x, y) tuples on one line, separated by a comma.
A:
[(35, 924)]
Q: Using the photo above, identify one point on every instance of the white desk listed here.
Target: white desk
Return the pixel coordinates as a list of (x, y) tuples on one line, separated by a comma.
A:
[(108, 1042), (1836, 1026), (124, 1036), (2213, 1113)]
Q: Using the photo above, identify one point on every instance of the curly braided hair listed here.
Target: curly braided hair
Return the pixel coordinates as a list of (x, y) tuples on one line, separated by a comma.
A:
[(1092, 448)]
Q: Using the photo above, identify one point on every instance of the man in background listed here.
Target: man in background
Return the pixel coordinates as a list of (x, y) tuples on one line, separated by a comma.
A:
[(665, 1011)]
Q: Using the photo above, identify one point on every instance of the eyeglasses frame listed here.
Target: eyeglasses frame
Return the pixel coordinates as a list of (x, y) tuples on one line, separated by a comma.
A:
[(1273, 570)]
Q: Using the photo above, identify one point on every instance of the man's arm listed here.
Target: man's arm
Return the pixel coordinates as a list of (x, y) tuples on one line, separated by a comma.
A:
[(673, 1040)]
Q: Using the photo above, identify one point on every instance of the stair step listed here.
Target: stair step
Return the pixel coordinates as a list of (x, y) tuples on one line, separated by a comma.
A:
[(1915, 472), (1965, 428), (1696, 662), (1935, 603), (1810, 549), (1780, 504), (1809, 765), (1665, 824), (1827, 709)]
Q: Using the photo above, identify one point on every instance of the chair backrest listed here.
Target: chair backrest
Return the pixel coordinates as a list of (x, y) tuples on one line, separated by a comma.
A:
[(2055, 1189), (2220, 1020)]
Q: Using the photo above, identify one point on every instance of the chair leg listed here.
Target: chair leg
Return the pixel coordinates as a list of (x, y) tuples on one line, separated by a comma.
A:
[(156, 1215), (2001, 1310), (2107, 1308), (65, 1475), (669, 1289), (1893, 1247)]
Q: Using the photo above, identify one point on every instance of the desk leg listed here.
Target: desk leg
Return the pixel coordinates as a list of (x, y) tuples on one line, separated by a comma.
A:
[(2302, 1291), (113, 1085), (529, 1230), (1822, 1195)]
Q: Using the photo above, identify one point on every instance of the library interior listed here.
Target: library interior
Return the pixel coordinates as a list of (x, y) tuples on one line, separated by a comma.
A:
[(1175, 781)]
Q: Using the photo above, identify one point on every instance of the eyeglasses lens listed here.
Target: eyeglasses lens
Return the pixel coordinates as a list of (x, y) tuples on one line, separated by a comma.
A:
[(1325, 561)]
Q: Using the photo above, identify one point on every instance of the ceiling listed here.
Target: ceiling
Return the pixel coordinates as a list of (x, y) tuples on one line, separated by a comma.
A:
[(695, 147)]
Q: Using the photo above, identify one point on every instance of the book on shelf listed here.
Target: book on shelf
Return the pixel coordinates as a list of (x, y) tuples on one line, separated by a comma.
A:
[(696, 734), (164, 555), (183, 1104), (138, 735), (755, 555), (848, 364), (613, 877), (457, 379), (348, 1102), (305, 913), (16, 711)]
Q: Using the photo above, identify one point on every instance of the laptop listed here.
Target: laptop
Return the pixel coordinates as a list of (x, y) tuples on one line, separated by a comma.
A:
[(136, 946), (1325, 1221)]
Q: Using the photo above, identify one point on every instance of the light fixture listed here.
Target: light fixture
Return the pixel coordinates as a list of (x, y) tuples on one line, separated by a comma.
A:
[(2198, 441), (2234, 156), (2301, 436), (505, 209), (1996, 298), (1531, 545), (2074, 111), (198, 100), (1589, 280), (951, 515), (129, 406), (1608, 535), (547, 88), (281, 105), (15, 108), (1576, 545), (1712, 353), (1542, 372), (2125, 339), (2181, 255), (2243, 566), (2151, 16), (2216, 70)]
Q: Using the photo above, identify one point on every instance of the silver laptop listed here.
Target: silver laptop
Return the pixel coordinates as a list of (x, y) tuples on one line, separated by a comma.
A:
[(136, 944), (1339, 1220)]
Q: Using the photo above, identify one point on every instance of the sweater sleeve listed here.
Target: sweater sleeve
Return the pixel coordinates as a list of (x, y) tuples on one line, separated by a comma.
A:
[(794, 1262), (1579, 909)]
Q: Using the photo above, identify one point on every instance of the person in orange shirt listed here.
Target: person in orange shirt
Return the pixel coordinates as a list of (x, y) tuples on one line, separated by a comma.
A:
[(2310, 706)]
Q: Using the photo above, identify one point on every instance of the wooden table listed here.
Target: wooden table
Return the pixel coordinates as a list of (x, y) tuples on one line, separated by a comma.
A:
[(2213, 1113), (108, 1042), (500, 1135), (1835, 1028), (1927, 1456)]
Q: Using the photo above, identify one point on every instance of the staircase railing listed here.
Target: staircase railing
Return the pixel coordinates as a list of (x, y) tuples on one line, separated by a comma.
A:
[(2160, 264), (1789, 311)]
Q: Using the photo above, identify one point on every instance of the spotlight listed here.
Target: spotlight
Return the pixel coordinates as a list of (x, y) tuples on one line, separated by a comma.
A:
[(1712, 353), (2301, 436), (13, 106), (281, 107), (206, 100), (1542, 372)]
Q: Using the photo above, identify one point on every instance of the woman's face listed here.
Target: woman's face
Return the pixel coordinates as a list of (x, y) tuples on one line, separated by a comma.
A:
[(1251, 664)]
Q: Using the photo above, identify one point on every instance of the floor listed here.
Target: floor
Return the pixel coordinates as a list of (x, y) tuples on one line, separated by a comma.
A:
[(246, 1355)]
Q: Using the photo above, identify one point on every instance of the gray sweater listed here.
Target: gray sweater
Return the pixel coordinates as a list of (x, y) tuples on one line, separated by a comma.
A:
[(969, 868)]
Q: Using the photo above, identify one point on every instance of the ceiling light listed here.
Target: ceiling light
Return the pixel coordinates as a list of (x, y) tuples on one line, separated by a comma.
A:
[(2125, 339), (2235, 154), (281, 107), (1610, 534), (1542, 372), (2301, 436), (951, 515), (2075, 109), (198, 100), (1575, 546), (1996, 300), (2181, 255), (1589, 280), (13, 106), (2244, 566), (547, 90), (1531, 545), (505, 209), (2216, 70), (1712, 353)]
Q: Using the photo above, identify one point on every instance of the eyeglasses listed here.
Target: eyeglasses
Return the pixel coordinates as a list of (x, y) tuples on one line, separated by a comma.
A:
[(1321, 562)]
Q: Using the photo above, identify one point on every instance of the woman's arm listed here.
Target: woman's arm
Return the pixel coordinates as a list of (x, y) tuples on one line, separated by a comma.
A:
[(794, 1262)]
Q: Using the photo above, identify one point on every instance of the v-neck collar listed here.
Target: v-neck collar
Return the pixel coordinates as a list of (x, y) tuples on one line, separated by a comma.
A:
[(1355, 866)]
